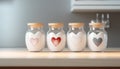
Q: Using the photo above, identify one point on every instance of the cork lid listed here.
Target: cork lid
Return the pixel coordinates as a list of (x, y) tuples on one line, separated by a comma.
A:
[(76, 25), (35, 25), (56, 25), (96, 25)]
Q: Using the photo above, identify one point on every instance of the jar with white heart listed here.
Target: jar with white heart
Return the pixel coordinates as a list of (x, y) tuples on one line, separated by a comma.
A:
[(56, 37), (97, 37), (35, 37), (76, 37)]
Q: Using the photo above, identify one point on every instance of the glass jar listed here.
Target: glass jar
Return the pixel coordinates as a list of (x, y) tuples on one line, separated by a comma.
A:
[(35, 37), (76, 37), (97, 37), (56, 38)]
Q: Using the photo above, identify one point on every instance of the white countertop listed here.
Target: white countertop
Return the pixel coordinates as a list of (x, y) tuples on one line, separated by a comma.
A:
[(21, 57)]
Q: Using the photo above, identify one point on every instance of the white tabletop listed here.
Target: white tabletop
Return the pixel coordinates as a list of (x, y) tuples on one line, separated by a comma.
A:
[(21, 57)]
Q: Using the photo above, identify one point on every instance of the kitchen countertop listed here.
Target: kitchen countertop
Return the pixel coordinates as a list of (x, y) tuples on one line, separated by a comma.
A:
[(21, 57)]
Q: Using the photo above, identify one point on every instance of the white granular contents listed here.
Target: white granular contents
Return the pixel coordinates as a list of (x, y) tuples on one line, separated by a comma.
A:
[(101, 40), (76, 42), (56, 42), (35, 42)]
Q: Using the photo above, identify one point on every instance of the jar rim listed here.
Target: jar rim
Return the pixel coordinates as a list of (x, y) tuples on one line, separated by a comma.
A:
[(35, 24), (76, 24), (96, 25), (56, 25)]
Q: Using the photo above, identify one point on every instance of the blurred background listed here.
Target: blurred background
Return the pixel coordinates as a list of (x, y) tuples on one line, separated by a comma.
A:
[(15, 14)]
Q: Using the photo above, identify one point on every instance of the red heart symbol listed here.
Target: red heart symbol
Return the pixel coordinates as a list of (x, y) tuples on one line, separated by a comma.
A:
[(34, 41), (56, 41)]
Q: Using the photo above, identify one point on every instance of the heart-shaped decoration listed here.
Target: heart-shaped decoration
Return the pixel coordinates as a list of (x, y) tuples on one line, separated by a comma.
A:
[(97, 41), (34, 41), (56, 41)]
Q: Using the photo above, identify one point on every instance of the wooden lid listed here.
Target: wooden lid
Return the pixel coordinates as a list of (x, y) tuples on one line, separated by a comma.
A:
[(35, 25), (56, 25), (96, 25), (76, 25)]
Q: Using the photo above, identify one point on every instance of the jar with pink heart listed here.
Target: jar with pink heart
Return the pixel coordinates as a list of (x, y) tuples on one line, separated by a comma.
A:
[(35, 37), (76, 37), (97, 37), (56, 37)]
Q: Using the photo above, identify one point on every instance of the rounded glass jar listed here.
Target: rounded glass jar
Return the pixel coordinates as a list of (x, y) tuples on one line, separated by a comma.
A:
[(56, 38), (76, 37), (97, 37), (35, 37)]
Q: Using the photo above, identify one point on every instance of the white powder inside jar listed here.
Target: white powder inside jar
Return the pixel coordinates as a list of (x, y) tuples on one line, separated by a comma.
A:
[(35, 42), (56, 42), (97, 42), (76, 42)]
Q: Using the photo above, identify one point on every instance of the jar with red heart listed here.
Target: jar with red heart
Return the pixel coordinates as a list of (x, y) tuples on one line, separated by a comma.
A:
[(76, 37), (97, 37), (35, 37), (56, 37)]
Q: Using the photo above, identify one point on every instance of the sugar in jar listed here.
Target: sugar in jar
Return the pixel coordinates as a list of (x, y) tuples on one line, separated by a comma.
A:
[(76, 37), (97, 37), (56, 38), (35, 37)]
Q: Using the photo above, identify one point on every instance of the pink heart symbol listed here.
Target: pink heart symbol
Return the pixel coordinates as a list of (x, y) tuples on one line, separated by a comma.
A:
[(56, 41), (34, 41)]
